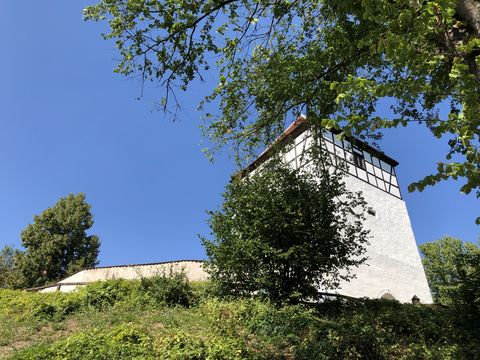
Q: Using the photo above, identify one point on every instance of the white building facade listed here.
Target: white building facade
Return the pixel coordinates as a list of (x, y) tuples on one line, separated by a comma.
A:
[(394, 269)]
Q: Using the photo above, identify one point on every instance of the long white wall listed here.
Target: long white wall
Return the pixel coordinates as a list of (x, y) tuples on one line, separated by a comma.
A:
[(192, 269)]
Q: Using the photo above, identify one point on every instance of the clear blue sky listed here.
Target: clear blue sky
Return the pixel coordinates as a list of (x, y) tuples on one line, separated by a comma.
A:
[(69, 124)]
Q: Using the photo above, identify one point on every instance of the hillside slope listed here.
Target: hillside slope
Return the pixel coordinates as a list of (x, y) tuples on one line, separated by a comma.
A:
[(158, 319)]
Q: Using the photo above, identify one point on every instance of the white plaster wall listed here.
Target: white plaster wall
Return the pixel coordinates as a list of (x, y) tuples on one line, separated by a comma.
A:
[(394, 264), (193, 270)]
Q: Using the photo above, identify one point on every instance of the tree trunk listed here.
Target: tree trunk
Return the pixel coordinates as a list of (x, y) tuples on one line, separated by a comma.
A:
[(469, 11)]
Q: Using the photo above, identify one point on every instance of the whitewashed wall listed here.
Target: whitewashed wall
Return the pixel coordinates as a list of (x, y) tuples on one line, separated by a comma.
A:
[(192, 269), (394, 264)]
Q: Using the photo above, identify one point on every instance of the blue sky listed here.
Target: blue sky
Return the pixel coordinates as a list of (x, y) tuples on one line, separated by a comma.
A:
[(69, 124)]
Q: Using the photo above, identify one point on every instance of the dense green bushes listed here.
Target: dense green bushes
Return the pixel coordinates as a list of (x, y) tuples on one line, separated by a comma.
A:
[(171, 290), (149, 320), (369, 329), (157, 291), (28, 306)]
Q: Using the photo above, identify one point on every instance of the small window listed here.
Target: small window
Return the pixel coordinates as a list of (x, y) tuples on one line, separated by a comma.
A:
[(359, 160), (385, 166), (338, 141), (367, 156), (347, 144), (327, 135)]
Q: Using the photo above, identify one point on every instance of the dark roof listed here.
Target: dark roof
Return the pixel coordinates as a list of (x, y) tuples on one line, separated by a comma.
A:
[(299, 126), (146, 264)]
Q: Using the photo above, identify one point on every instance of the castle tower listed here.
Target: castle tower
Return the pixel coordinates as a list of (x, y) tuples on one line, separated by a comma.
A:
[(394, 269)]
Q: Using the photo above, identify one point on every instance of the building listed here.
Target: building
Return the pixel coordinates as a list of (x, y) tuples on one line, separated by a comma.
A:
[(192, 269), (394, 269)]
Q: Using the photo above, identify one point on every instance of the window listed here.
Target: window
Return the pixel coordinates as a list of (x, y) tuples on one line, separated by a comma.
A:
[(367, 156), (385, 166), (337, 141), (347, 144), (327, 135), (358, 159)]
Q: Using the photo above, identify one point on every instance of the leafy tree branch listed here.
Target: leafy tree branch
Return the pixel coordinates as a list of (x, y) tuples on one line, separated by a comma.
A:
[(337, 61)]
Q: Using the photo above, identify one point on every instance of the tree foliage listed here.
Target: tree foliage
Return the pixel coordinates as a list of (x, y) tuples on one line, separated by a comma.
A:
[(56, 243), (452, 266), (337, 59), (470, 287), (285, 233), (8, 275)]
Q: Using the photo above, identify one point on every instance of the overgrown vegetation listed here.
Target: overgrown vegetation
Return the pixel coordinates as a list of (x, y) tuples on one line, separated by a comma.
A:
[(121, 319)]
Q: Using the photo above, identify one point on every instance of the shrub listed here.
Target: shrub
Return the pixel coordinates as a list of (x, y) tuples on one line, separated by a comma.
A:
[(180, 345), (270, 224), (104, 294), (24, 305), (101, 295), (170, 290), (129, 327)]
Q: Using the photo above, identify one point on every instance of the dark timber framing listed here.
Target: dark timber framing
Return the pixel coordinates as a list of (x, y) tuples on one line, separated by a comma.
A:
[(378, 169)]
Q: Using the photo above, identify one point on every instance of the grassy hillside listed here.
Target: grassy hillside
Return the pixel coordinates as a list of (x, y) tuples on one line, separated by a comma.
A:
[(158, 319)]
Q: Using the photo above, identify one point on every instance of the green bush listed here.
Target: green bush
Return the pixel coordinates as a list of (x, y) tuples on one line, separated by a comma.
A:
[(23, 305), (104, 294), (382, 329), (100, 295), (180, 345), (132, 342), (369, 329), (170, 290)]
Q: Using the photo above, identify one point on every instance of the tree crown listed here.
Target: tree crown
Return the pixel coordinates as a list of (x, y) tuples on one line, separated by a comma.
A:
[(56, 243), (285, 233)]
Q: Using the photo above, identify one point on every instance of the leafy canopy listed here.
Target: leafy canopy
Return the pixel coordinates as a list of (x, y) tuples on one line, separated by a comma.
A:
[(337, 59), (470, 288), (56, 243), (285, 233), (8, 274), (450, 268)]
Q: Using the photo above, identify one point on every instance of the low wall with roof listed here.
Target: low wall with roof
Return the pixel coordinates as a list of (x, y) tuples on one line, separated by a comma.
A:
[(193, 269)]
